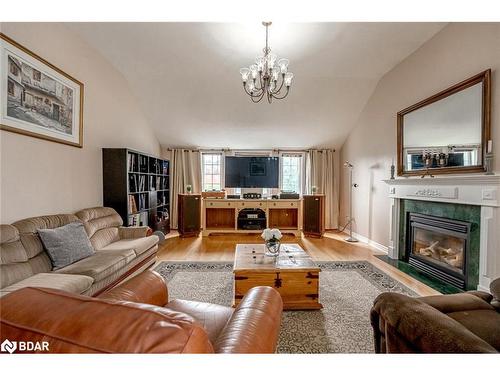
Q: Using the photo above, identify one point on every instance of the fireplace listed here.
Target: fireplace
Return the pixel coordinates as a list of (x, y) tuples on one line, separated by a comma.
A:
[(439, 247)]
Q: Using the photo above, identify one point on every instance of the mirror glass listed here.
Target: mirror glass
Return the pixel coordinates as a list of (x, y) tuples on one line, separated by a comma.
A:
[(446, 133)]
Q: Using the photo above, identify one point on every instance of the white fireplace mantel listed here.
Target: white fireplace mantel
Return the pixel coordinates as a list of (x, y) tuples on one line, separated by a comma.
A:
[(482, 190)]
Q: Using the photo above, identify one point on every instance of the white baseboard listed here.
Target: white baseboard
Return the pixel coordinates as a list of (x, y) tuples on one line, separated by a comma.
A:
[(368, 241)]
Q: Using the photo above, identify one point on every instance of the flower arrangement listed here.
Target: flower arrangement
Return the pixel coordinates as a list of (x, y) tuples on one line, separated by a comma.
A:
[(270, 234), (272, 238)]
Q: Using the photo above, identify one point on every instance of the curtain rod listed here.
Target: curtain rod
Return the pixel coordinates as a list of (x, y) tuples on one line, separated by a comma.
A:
[(251, 150)]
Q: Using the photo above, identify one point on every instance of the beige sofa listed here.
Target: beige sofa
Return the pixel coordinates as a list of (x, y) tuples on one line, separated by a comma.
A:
[(120, 253)]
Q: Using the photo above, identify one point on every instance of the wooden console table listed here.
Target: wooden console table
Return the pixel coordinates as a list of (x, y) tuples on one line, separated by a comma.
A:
[(293, 274), (221, 215)]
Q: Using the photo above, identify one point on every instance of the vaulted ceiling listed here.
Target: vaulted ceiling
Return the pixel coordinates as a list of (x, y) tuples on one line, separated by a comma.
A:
[(186, 79)]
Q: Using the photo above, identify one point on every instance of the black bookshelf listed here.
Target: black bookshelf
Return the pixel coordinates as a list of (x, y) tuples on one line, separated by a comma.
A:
[(136, 185)]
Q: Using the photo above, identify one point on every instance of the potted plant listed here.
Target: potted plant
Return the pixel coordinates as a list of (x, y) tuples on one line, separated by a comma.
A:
[(272, 239), (189, 189)]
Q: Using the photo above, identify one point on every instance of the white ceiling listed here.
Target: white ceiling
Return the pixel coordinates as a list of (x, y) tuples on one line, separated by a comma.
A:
[(186, 77)]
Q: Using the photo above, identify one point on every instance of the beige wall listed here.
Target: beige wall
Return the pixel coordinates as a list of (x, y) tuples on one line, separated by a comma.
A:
[(40, 177), (454, 54)]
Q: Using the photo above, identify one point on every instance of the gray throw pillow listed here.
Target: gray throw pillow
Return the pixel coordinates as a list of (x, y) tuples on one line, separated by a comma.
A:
[(67, 244)]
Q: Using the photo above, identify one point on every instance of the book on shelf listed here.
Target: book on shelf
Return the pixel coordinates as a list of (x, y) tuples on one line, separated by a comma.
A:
[(134, 220), (143, 164), (131, 162), (142, 178), (132, 206), (132, 182)]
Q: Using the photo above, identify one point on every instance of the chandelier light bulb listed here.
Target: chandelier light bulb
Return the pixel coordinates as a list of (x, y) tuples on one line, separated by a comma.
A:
[(268, 75), (283, 65), (245, 72), (271, 59), (260, 63), (254, 71)]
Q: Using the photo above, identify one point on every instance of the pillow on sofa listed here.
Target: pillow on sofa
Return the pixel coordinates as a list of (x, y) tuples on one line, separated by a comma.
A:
[(67, 244)]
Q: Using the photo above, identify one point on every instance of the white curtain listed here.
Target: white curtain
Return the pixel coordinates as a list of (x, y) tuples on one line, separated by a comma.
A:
[(322, 171), (186, 170)]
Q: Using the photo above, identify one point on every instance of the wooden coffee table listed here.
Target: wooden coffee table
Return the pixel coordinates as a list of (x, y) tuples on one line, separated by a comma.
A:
[(293, 274)]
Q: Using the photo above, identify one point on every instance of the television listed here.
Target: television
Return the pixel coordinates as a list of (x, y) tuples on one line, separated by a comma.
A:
[(251, 172)]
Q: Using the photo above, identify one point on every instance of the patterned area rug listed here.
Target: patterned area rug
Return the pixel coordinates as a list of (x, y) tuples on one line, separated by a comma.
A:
[(347, 291)]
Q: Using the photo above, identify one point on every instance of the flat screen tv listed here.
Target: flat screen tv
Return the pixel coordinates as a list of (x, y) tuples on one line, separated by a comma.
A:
[(251, 172)]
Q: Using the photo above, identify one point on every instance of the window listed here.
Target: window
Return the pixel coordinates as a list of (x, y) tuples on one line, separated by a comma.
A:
[(10, 88), (291, 172), (212, 172), (14, 70), (37, 76)]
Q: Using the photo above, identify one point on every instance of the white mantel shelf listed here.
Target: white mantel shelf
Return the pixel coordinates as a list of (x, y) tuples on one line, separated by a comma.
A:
[(474, 189), (481, 190), (471, 179)]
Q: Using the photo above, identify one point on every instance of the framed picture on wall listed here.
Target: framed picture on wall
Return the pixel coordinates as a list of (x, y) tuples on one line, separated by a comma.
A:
[(37, 98)]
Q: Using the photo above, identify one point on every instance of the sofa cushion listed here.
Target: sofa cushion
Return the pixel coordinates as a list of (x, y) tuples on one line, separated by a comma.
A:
[(28, 230), (448, 303), (67, 244), (483, 323), (11, 249), (212, 317), (69, 283), (101, 224), (14, 272), (128, 254), (138, 245), (98, 266)]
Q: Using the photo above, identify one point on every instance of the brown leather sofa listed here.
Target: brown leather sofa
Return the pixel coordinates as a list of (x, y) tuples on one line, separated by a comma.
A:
[(136, 317), (120, 252), (456, 323)]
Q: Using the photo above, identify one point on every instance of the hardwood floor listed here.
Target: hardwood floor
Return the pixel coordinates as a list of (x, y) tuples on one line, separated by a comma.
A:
[(220, 248)]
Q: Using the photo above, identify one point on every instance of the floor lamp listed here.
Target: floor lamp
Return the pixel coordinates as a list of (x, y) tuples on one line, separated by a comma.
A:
[(351, 219)]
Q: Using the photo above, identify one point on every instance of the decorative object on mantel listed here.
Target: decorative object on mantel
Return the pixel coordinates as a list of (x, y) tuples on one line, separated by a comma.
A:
[(393, 169), (488, 158), (38, 99), (428, 161), (272, 239), (351, 219), (267, 76)]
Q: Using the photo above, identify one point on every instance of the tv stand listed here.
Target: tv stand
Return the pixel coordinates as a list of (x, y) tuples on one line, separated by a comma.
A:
[(232, 215)]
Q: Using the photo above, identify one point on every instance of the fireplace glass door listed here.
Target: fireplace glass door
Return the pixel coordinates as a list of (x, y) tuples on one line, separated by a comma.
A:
[(440, 249)]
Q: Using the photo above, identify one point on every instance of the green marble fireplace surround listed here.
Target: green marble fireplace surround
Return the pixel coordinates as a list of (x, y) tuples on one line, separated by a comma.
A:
[(461, 212)]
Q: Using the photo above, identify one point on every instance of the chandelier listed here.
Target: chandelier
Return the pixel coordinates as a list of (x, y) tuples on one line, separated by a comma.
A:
[(267, 76)]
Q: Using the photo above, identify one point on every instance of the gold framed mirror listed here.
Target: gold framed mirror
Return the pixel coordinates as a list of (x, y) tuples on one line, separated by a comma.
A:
[(447, 132)]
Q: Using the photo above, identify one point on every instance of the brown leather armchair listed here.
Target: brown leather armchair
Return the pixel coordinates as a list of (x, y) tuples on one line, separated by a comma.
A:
[(136, 317), (456, 323)]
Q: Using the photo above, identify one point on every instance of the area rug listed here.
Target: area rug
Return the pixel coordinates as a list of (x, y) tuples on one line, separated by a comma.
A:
[(347, 291)]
